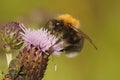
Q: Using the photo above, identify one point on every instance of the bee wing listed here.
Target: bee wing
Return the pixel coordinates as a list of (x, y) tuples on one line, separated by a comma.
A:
[(81, 33)]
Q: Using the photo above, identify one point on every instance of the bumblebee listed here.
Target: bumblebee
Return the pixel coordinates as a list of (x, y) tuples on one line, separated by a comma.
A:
[(67, 29)]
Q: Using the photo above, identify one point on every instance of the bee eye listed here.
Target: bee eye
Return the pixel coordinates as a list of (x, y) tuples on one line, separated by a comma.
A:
[(57, 24)]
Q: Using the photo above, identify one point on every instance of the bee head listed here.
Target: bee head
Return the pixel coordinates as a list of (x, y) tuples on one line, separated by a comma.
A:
[(62, 23), (57, 25)]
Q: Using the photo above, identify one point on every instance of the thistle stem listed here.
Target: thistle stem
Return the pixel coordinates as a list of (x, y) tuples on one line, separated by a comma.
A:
[(9, 58)]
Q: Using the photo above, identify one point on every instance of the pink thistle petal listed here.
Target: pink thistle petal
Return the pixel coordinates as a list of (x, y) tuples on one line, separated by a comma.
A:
[(41, 39)]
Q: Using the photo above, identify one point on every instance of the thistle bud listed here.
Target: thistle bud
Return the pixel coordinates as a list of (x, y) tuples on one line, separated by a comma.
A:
[(10, 36)]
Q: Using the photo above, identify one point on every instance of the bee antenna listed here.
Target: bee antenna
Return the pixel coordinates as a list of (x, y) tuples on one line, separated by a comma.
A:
[(46, 25)]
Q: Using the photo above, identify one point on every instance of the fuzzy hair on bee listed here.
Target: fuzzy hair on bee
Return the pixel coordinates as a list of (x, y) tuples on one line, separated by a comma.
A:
[(67, 29)]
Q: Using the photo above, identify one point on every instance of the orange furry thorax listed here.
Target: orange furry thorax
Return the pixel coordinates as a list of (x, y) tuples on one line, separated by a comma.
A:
[(66, 18)]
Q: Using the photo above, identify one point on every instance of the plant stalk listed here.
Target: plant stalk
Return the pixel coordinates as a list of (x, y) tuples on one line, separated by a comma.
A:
[(9, 58)]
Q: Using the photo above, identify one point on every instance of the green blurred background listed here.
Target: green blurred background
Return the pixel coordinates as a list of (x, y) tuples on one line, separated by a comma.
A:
[(100, 19)]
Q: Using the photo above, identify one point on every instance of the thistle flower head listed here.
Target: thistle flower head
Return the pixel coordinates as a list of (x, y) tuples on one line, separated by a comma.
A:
[(39, 45), (41, 39)]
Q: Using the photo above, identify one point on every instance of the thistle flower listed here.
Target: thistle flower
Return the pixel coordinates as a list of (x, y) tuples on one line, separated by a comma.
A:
[(43, 40), (39, 45)]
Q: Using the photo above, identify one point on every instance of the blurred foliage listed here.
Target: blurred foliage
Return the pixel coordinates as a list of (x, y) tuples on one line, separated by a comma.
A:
[(98, 18), (1, 75)]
